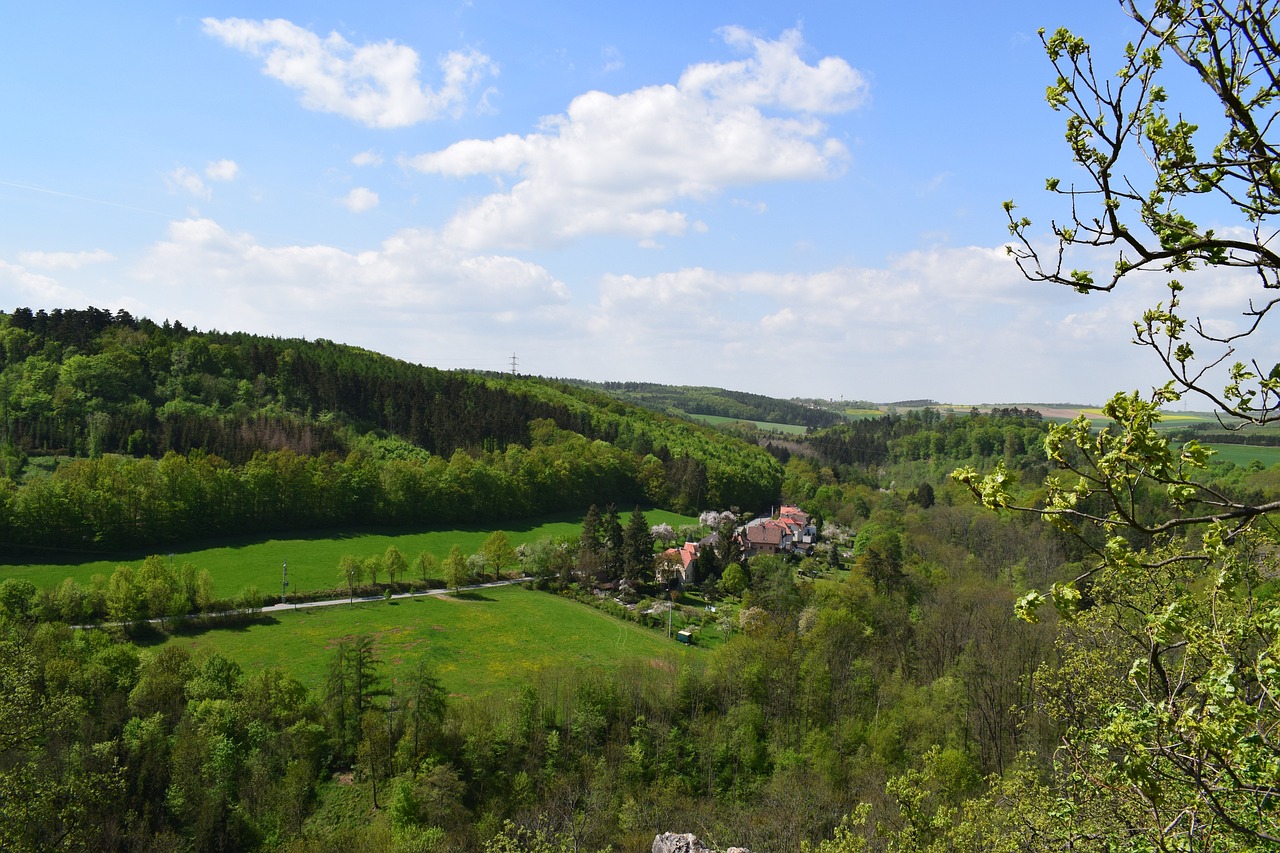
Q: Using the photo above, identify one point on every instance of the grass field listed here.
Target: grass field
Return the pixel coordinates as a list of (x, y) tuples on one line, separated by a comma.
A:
[(1243, 454), (312, 557), (482, 642), (763, 426)]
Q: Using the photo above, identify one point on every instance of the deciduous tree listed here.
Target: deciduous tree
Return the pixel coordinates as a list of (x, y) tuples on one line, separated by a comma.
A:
[(394, 562), (1181, 751), (497, 552), (427, 565), (455, 569)]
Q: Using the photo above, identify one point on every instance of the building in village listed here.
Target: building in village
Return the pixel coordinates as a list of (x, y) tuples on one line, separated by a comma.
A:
[(679, 563), (791, 531)]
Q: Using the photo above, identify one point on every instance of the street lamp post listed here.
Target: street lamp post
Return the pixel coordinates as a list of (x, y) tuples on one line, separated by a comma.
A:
[(284, 584)]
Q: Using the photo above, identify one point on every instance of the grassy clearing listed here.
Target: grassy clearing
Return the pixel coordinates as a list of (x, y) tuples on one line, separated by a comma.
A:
[(763, 426), (312, 557), (481, 642)]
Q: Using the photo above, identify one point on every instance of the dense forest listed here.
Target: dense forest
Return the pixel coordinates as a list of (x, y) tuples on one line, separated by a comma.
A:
[(118, 432)]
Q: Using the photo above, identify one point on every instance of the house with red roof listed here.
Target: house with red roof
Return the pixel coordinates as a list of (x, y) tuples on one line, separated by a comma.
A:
[(791, 532), (679, 562)]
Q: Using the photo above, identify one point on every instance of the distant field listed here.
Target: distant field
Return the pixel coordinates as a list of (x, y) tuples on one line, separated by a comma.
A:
[(1243, 454), (764, 426), (486, 641), (313, 557)]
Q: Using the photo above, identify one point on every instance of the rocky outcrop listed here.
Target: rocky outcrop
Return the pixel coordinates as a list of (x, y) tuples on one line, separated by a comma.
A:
[(671, 842)]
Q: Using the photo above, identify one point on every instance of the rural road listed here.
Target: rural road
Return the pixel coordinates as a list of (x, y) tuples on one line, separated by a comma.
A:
[(330, 602)]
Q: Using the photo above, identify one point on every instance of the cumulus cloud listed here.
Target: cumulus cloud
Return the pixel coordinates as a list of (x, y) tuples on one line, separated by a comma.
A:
[(360, 199), (934, 323), (775, 76), (182, 179), (367, 158), (376, 84), (620, 164), (221, 170), (954, 323), (64, 260), (34, 286), (412, 282)]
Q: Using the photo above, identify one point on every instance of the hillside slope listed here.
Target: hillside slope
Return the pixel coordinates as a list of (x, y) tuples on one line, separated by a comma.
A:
[(160, 431)]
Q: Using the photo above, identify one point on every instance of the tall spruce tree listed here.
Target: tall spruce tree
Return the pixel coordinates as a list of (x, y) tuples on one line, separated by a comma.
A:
[(637, 548)]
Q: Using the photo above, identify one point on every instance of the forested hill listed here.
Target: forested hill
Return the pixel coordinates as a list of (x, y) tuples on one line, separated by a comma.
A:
[(172, 431), (698, 400), (920, 434)]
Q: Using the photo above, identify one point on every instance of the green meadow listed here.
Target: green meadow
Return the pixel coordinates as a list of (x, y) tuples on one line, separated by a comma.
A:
[(763, 426), (1243, 454), (480, 642), (312, 557)]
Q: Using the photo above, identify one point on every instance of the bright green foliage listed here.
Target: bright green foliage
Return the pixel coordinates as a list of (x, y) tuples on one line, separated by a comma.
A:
[(395, 563), (177, 434), (516, 839), (498, 553), (1166, 687), (351, 572), (734, 579), (456, 574), (427, 565)]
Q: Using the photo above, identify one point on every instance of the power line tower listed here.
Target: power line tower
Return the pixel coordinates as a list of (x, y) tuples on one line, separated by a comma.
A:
[(514, 361)]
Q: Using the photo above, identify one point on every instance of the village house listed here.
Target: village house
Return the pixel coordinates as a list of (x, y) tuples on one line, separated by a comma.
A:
[(791, 532), (679, 563)]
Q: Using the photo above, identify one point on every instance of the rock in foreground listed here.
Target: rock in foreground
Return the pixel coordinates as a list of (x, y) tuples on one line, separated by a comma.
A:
[(671, 842)]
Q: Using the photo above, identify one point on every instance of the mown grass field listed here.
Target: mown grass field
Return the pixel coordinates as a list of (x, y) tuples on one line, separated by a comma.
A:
[(312, 557), (1243, 454), (763, 426), (482, 642)]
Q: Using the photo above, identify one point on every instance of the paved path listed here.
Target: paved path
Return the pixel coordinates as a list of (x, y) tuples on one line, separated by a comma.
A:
[(326, 602), (330, 602)]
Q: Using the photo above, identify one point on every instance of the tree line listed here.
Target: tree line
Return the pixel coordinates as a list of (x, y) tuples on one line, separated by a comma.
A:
[(159, 432)]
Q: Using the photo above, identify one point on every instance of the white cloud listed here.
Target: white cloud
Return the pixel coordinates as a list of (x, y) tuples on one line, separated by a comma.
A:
[(360, 199), (64, 260), (221, 170), (39, 288), (412, 282), (375, 83), (776, 76), (619, 164), (367, 158), (958, 324), (185, 180)]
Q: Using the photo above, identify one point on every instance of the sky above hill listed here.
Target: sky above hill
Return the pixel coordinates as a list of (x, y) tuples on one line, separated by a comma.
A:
[(794, 199)]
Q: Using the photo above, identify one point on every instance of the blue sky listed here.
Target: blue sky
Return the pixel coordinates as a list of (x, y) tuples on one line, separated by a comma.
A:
[(796, 199)]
